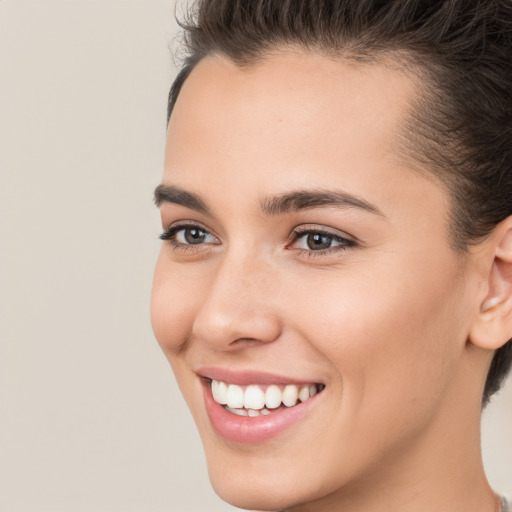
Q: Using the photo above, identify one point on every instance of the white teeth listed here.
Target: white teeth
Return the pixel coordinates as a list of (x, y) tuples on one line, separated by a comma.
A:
[(254, 401), (219, 391), (254, 398), (223, 393), (290, 395), (273, 397), (235, 396), (304, 393), (238, 412)]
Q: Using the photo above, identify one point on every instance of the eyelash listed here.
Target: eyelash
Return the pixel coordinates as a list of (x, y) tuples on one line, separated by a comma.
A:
[(345, 243), (169, 235)]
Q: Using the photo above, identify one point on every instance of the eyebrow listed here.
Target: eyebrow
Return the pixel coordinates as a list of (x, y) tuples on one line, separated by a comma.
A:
[(310, 199), (176, 195), (276, 205)]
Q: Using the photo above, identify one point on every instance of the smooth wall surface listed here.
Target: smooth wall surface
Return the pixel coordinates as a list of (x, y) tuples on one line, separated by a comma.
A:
[(91, 419)]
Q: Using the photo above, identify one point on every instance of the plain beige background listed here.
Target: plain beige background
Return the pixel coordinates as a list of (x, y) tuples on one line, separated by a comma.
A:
[(90, 417)]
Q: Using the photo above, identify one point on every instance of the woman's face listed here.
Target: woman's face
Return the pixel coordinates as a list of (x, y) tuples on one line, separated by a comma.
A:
[(302, 250)]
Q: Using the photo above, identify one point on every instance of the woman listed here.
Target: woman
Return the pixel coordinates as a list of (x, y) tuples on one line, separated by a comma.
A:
[(334, 290)]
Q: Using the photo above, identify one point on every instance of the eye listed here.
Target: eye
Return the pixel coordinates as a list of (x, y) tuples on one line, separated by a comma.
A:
[(316, 241), (309, 240), (181, 236)]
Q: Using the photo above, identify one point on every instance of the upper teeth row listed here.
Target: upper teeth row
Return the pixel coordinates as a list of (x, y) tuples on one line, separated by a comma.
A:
[(255, 398)]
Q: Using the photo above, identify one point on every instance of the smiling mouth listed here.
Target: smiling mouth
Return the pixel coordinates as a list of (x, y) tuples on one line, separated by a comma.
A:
[(257, 400)]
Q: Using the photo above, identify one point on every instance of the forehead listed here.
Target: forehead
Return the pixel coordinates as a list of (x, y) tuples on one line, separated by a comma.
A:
[(291, 102), (294, 113), (309, 92)]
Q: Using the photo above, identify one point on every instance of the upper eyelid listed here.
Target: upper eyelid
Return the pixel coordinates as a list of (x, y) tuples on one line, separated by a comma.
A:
[(323, 231), (186, 223), (343, 240), (176, 226), (296, 233), (297, 230)]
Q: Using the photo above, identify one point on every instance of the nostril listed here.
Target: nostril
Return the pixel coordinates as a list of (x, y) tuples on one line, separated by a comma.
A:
[(247, 341), (235, 327)]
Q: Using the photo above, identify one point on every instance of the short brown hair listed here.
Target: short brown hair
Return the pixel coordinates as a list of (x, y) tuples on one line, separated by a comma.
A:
[(461, 130)]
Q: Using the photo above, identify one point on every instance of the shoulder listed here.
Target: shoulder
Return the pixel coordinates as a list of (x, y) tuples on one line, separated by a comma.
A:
[(506, 505)]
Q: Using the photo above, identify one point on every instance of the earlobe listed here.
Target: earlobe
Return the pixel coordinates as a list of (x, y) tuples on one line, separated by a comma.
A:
[(492, 327)]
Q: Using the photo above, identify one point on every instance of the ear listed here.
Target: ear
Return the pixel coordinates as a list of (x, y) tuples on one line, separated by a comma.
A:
[(492, 327)]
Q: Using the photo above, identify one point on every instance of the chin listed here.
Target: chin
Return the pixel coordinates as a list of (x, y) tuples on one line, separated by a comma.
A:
[(262, 494), (256, 480)]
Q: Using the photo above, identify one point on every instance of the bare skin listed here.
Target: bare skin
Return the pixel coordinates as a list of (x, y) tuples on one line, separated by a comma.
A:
[(385, 314)]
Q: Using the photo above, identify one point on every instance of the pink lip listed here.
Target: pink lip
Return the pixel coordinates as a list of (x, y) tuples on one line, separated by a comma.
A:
[(244, 429), (245, 378)]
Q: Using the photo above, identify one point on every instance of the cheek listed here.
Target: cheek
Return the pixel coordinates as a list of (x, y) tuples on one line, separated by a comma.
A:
[(174, 299), (390, 339)]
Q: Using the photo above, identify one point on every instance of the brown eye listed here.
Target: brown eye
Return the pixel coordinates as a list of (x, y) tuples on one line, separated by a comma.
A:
[(188, 235), (318, 241), (191, 236)]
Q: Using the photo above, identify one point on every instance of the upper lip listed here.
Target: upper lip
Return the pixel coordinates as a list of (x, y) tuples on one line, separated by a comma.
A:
[(245, 378)]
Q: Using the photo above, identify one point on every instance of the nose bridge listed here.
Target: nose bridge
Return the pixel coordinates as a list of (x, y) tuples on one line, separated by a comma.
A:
[(238, 303)]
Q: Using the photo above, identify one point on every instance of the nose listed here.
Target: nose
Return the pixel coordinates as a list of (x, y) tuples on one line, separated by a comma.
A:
[(239, 307)]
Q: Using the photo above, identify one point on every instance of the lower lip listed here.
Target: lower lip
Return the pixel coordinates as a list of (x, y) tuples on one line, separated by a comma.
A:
[(245, 429)]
